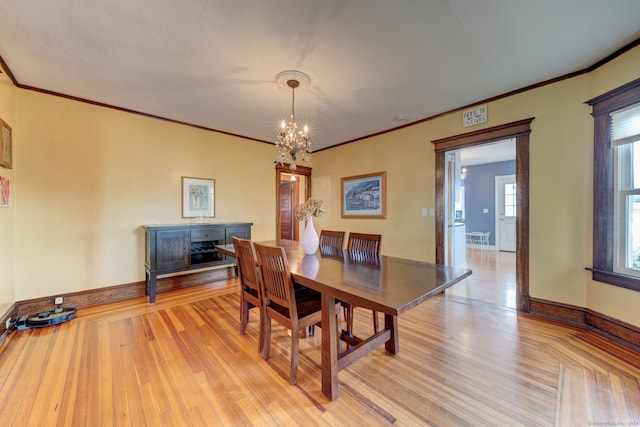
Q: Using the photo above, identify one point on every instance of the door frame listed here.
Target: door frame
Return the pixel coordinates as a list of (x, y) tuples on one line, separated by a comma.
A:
[(284, 168), (519, 130)]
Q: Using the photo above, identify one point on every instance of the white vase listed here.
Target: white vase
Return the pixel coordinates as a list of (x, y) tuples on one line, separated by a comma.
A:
[(309, 240)]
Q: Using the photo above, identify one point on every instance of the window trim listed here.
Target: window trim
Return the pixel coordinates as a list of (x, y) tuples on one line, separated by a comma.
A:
[(603, 184)]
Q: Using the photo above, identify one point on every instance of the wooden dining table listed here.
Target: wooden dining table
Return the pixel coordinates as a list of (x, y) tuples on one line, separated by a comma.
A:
[(386, 284)]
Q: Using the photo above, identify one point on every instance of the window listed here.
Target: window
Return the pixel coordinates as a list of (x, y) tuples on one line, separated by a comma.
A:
[(510, 200), (625, 140), (616, 187)]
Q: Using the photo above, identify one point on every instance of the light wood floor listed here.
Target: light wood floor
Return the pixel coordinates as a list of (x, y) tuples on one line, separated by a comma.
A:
[(493, 279), (182, 362)]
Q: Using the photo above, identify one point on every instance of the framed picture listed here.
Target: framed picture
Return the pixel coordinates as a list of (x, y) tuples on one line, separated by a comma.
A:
[(5, 192), (5, 145), (364, 196), (198, 197)]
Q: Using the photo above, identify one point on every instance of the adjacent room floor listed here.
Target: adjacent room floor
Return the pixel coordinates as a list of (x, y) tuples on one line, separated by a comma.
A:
[(493, 279)]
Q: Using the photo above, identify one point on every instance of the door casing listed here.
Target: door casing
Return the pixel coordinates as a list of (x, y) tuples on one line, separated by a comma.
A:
[(284, 169), (519, 130)]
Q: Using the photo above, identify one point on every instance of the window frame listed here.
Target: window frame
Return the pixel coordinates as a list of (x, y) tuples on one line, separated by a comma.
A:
[(603, 185)]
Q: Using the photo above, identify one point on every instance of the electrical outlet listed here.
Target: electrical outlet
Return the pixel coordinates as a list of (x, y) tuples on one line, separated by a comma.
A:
[(7, 325), (58, 300)]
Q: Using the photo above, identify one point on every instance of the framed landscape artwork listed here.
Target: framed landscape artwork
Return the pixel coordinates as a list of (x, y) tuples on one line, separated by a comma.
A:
[(364, 196), (5, 145), (198, 197)]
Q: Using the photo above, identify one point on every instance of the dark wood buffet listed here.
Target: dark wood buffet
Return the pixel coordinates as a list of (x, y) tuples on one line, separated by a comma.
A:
[(180, 248)]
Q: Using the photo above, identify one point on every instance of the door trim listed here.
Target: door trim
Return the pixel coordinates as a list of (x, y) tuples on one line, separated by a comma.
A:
[(519, 130)]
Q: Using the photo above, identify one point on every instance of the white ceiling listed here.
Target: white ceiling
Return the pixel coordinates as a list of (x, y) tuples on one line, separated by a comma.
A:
[(212, 63), (489, 153)]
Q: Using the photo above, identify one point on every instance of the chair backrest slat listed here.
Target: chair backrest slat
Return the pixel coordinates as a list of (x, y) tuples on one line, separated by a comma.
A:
[(276, 278), (364, 243), (247, 263), (333, 239)]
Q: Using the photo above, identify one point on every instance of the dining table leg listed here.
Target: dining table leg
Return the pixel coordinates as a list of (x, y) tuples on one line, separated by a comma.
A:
[(329, 347), (391, 323)]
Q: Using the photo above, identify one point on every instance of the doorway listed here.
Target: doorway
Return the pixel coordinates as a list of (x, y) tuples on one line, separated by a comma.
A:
[(519, 130), (291, 190), (454, 205), (477, 184)]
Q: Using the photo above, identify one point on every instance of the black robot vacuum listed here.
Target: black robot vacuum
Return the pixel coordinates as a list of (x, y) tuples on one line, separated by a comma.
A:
[(46, 318)]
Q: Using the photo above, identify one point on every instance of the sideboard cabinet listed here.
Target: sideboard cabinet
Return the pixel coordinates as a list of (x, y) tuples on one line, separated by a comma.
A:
[(178, 248)]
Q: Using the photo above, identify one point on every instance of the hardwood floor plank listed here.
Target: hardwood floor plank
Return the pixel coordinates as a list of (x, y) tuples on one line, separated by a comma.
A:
[(182, 361)]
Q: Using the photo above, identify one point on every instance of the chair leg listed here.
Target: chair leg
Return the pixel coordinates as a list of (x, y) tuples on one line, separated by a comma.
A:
[(267, 337), (244, 315), (261, 333), (339, 327), (375, 322), (349, 316), (295, 350)]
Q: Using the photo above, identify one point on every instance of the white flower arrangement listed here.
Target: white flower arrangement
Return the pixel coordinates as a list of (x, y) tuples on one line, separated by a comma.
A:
[(312, 207)]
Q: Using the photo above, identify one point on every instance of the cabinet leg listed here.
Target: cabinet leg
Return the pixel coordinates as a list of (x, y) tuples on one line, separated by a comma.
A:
[(151, 287)]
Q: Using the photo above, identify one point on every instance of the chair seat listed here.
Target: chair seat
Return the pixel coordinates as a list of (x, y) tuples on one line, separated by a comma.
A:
[(306, 304), (307, 293), (250, 291)]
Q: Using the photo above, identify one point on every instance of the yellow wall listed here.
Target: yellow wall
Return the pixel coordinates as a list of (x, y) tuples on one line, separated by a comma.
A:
[(87, 178), (561, 186), (7, 214), (408, 158), (616, 302), (90, 177)]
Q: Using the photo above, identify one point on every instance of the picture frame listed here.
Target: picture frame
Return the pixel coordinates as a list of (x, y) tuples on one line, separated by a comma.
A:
[(364, 196), (198, 197), (5, 192), (6, 148)]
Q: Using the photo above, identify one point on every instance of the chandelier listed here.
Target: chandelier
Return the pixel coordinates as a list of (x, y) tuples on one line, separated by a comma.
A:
[(293, 141)]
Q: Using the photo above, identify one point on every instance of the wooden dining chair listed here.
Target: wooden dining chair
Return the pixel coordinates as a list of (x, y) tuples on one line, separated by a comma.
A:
[(250, 293), (364, 243), (362, 246), (294, 310), (332, 245), (332, 239)]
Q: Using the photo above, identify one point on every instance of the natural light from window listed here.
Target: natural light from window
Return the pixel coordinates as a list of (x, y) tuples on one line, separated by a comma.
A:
[(510, 200), (625, 132)]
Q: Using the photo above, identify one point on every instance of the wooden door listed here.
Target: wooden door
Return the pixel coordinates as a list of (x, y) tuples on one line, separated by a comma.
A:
[(287, 210)]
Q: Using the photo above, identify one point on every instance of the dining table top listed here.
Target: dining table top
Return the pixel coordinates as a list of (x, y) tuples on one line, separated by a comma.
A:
[(383, 283)]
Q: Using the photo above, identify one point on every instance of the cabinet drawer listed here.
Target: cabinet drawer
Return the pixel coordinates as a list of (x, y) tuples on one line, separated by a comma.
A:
[(241, 231), (207, 234)]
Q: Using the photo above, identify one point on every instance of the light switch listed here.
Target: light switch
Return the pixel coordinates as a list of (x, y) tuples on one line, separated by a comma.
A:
[(432, 211), (485, 210), (424, 211)]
